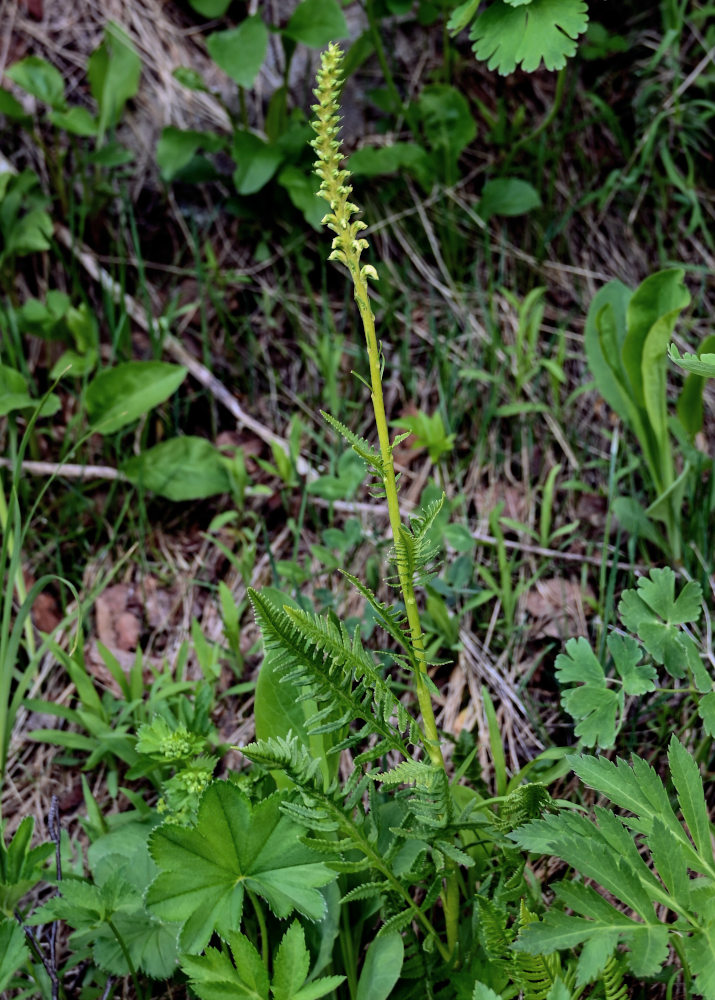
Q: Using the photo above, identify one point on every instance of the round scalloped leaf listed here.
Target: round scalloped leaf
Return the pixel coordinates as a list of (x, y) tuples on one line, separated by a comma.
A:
[(544, 30)]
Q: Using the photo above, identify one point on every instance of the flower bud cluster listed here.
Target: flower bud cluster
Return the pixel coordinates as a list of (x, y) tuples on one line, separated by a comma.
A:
[(335, 184)]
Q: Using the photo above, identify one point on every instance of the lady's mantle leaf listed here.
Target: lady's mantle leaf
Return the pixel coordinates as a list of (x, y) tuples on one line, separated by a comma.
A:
[(509, 35), (205, 870)]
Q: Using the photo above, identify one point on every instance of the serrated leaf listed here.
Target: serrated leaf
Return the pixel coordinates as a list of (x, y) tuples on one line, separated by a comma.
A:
[(691, 796), (214, 977), (545, 30), (291, 963), (205, 870), (638, 678), (700, 953), (484, 992), (669, 863), (13, 950)]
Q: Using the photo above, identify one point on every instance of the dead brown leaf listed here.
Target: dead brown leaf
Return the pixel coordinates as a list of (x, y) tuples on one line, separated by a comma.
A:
[(557, 607)]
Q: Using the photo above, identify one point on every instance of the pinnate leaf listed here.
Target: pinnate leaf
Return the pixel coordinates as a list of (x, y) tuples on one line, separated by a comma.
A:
[(637, 677), (234, 846), (691, 796), (594, 705)]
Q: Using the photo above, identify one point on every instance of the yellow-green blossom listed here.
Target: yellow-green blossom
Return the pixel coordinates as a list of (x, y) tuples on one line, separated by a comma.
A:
[(335, 184)]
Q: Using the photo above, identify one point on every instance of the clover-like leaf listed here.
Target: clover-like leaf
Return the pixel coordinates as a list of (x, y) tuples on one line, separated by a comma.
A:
[(594, 705), (637, 677), (508, 34), (235, 846)]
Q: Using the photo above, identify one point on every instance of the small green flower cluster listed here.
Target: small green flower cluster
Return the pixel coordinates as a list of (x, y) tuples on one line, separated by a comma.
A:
[(334, 179)]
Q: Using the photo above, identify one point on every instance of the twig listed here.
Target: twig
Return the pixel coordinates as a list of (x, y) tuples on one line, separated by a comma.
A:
[(175, 348)]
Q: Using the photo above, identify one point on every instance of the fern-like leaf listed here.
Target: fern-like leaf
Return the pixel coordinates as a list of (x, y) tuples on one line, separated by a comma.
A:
[(389, 619), (612, 977), (337, 672), (414, 551), (363, 448), (431, 803)]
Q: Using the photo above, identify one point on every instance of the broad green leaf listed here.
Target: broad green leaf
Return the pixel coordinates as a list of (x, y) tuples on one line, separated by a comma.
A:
[(11, 107), (448, 126), (376, 161), (113, 71), (546, 30), (302, 190), (381, 968), (507, 196), (183, 468), (190, 78), (462, 15), (13, 950), (603, 339), (691, 796), (31, 233), (654, 380), (661, 295), (177, 147), (14, 395), (204, 871), (118, 396), (40, 79), (637, 677), (317, 22), (256, 162), (152, 945), (210, 8), (240, 51), (77, 121), (633, 519)]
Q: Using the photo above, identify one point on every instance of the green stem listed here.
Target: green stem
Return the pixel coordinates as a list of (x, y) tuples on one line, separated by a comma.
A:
[(138, 992), (20, 588), (406, 585), (261, 925), (450, 893)]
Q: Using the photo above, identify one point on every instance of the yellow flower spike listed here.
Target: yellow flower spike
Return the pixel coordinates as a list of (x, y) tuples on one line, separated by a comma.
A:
[(335, 184)]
